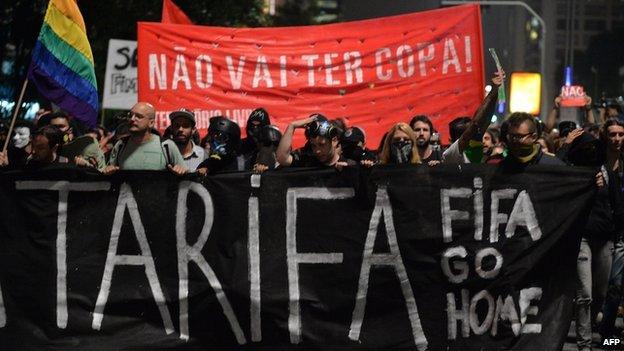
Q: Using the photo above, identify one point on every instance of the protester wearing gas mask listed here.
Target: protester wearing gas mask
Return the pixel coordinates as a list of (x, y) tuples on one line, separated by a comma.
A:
[(400, 146), (223, 139), (250, 145), (321, 149), (268, 140)]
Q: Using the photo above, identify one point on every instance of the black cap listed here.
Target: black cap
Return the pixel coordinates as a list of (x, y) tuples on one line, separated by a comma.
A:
[(183, 113), (354, 135)]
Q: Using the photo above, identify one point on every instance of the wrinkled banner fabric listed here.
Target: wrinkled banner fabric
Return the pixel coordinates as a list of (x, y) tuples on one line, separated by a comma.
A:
[(373, 73), (413, 258)]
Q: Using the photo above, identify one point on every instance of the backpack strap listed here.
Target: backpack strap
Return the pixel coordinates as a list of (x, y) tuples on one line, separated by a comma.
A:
[(122, 146), (166, 153)]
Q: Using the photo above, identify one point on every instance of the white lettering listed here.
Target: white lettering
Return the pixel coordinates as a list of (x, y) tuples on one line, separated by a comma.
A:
[(236, 78), (450, 57), (180, 73), (198, 71), (262, 73), (294, 258), (392, 259), (126, 200), (379, 61), (310, 60), (188, 254), (158, 71)]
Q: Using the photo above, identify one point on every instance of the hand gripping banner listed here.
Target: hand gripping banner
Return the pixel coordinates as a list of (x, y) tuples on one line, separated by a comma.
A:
[(373, 73), (397, 258)]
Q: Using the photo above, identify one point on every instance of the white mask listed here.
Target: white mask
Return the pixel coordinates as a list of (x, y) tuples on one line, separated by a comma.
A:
[(21, 137)]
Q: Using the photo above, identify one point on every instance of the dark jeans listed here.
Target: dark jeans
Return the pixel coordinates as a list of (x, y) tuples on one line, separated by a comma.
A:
[(593, 267), (614, 293)]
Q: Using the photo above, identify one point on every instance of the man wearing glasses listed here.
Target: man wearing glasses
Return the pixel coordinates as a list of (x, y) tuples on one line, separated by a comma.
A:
[(520, 133), (143, 150)]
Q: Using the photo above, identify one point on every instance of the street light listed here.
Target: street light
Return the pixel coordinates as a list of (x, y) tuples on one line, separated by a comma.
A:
[(537, 16)]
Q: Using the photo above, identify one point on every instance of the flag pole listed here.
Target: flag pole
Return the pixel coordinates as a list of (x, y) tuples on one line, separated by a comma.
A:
[(15, 112)]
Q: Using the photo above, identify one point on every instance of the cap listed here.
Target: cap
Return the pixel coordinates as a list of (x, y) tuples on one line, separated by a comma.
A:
[(354, 135), (184, 113)]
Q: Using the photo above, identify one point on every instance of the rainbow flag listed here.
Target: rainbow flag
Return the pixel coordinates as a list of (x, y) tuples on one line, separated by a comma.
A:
[(62, 62)]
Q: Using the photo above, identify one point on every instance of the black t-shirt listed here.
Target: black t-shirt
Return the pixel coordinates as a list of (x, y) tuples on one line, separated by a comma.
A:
[(436, 155), (249, 151), (216, 165)]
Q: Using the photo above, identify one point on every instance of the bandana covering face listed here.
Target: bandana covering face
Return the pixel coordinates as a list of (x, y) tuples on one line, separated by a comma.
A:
[(401, 151), (525, 154)]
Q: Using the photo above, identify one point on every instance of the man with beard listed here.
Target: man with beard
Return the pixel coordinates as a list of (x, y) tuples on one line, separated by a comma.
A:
[(423, 128), (250, 146), (143, 150), (182, 129), (224, 141)]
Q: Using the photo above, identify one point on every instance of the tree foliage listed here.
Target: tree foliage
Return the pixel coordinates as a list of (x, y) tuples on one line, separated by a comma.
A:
[(20, 22)]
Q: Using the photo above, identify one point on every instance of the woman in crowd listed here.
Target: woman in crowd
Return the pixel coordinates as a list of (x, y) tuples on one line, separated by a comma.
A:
[(399, 146)]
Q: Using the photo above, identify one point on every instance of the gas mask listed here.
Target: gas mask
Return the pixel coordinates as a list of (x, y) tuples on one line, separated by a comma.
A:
[(220, 148), (261, 117)]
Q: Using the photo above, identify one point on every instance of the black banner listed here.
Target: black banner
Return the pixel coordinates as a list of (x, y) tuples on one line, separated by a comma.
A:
[(457, 258)]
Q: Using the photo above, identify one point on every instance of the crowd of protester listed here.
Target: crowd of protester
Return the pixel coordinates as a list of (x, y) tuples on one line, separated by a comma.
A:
[(520, 140)]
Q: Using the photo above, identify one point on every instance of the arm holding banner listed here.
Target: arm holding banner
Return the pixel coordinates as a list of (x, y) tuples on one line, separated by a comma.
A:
[(283, 149), (481, 118), (553, 116), (589, 112)]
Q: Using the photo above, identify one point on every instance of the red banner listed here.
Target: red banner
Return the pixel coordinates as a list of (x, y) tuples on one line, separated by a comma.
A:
[(372, 73)]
